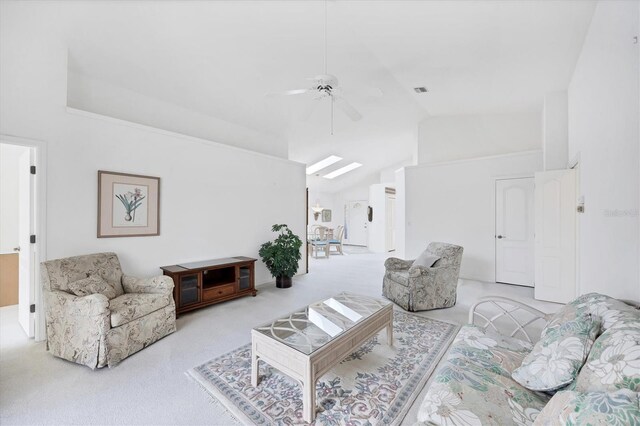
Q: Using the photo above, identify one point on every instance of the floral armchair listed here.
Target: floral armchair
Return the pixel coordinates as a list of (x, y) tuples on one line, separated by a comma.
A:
[(418, 287), (97, 316)]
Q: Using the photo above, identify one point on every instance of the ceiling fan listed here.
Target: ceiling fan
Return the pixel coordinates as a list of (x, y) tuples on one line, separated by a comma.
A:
[(326, 86)]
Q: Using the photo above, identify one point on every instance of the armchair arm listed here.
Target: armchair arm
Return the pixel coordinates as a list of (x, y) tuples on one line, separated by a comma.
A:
[(160, 284), (502, 307), (76, 325), (395, 264)]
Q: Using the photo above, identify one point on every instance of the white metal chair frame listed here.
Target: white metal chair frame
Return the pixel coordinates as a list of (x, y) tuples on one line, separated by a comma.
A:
[(510, 312), (319, 241), (337, 237)]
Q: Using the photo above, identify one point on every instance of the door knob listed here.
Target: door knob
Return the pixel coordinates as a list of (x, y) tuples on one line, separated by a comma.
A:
[(16, 249), (501, 237)]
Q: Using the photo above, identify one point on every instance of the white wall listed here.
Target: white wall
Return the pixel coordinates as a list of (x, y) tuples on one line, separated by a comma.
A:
[(454, 202), (603, 133), (555, 132), (9, 209), (98, 96), (448, 138), (216, 200)]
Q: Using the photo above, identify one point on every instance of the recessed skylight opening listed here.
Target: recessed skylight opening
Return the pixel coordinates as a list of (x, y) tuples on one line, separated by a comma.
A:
[(322, 164), (420, 89), (342, 170)]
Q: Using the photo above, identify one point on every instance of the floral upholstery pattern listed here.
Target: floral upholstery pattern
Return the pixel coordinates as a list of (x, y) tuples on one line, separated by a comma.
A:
[(417, 288), (473, 386), (556, 359), (608, 309), (620, 408), (614, 361), (92, 285), (80, 329)]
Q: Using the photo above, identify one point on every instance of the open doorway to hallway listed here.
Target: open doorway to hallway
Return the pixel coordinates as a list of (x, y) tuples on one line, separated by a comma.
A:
[(19, 248)]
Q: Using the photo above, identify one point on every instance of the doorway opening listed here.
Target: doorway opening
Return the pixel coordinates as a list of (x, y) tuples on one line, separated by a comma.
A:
[(21, 233)]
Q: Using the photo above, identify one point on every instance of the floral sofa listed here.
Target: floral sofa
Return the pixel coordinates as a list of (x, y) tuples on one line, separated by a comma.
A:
[(585, 369), (97, 316)]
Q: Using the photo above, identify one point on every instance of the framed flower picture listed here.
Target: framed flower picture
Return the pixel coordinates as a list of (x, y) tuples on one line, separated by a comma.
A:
[(128, 205)]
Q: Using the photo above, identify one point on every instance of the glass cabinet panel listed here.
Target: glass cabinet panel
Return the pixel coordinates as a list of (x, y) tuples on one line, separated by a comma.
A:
[(245, 278), (189, 291)]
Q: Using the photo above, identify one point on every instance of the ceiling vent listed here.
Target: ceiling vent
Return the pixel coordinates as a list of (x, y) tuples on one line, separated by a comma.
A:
[(420, 89)]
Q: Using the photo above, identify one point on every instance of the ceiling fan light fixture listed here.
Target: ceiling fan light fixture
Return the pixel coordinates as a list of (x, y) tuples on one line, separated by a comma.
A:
[(342, 170), (332, 159)]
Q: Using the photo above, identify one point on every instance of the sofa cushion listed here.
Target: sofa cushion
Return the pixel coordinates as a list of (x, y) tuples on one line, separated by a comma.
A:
[(557, 357), (608, 309), (593, 408), (92, 285), (474, 385), (426, 259), (131, 306), (400, 277), (614, 362)]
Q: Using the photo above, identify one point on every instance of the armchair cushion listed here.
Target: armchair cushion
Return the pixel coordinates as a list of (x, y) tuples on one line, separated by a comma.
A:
[(92, 285), (556, 359), (131, 306), (426, 259)]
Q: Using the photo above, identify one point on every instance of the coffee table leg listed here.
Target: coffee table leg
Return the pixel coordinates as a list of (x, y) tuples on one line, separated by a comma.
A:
[(308, 396), (254, 366), (390, 333)]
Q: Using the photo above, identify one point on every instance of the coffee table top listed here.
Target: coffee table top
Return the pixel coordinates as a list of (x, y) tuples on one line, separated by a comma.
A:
[(310, 328)]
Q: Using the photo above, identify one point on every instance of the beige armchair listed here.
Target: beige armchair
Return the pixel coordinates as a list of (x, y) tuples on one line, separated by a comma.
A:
[(416, 287), (97, 316)]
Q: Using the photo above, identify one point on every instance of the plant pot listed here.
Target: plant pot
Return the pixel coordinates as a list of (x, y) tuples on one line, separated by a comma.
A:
[(283, 282)]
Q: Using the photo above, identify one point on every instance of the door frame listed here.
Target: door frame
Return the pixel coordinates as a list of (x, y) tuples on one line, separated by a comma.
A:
[(40, 218), (494, 179)]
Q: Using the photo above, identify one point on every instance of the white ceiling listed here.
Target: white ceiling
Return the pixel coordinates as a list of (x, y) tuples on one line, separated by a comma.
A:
[(221, 57)]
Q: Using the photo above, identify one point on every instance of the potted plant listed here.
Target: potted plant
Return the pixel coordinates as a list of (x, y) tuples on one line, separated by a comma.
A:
[(282, 255)]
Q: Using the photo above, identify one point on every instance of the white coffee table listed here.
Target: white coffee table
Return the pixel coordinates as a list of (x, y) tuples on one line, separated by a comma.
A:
[(307, 343)]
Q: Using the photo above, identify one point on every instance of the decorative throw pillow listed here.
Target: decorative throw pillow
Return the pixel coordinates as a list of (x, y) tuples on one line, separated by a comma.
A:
[(425, 260), (607, 309), (556, 359), (594, 408), (614, 362), (92, 285)]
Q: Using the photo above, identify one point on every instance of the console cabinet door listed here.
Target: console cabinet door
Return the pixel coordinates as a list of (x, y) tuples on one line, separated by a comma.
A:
[(189, 289), (245, 278)]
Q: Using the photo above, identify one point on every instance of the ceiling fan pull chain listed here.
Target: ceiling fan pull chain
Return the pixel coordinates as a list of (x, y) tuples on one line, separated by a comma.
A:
[(331, 115)]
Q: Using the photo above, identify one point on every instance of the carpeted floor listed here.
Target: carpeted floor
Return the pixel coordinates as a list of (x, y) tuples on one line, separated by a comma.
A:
[(151, 388)]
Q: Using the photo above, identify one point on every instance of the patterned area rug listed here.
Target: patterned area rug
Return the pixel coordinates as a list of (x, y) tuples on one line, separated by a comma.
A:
[(374, 385)]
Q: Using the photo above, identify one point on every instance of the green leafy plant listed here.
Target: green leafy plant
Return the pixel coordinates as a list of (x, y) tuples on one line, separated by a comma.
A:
[(282, 254)]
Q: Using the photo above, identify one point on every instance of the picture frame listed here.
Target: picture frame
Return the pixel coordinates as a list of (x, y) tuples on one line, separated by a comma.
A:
[(326, 215), (128, 205)]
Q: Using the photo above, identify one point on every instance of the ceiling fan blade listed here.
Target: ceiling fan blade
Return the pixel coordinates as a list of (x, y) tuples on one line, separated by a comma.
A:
[(292, 92), (351, 112)]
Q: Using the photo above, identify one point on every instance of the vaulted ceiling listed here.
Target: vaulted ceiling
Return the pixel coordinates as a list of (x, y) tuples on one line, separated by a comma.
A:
[(220, 58)]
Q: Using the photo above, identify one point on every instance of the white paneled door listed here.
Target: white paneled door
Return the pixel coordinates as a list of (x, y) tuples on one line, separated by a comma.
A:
[(555, 247), (515, 231), (356, 221)]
